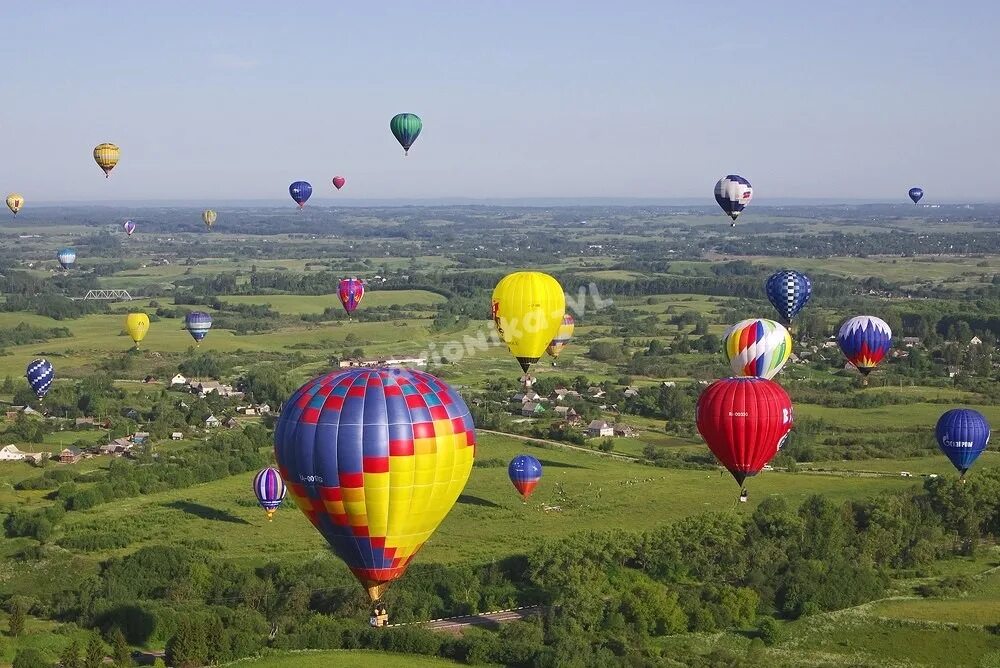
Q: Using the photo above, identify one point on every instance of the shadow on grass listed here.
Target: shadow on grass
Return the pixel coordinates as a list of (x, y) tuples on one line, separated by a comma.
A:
[(470, 500), (561, 465), (205, 512)]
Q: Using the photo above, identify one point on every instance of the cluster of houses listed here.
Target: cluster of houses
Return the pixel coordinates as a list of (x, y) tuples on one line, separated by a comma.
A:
[(533, 404), (204, 387), (383, 361)]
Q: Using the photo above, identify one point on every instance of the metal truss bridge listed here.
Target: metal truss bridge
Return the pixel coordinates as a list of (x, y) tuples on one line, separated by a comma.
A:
[(106, 295)]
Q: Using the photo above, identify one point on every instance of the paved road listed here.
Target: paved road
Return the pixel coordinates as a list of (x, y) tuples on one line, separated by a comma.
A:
[(559, 444), (457, 624)]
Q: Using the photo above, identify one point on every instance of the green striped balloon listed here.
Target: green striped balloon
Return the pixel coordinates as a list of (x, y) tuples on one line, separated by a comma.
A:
[(406, 128)]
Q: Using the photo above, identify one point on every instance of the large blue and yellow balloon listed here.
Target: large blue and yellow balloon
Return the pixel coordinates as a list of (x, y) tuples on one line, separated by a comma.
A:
[(865, 340), (375, 458)]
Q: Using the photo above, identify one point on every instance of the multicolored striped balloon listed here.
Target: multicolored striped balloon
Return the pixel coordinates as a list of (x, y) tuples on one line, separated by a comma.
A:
[(270, 490), (563, 336), (865, 340), (375, 458), (757, 347), (525, 471), (106, 156), (66, 257)]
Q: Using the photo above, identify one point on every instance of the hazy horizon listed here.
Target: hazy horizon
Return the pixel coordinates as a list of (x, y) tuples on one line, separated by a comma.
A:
[(219, 102)]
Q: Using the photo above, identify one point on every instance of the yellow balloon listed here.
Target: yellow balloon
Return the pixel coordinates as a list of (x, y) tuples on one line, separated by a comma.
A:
[(209, 217), (106, 155), (14, 202), (137, 324), (528, 308)]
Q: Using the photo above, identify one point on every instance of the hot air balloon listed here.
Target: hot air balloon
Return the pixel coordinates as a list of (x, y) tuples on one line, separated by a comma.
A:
[(733, 193), (300, 192), (197, 324), (744, 421), (375, 458), (137, 324), (525, 471), (270, 490), (66, 257), (757, 347), (129, 227), (40, 375), (788, 291), (528, 309), (865, 340), (915, 194), (106, 156), (562, 337), (962, 434), (406, 128), (14, 202), (208, 216), (338, 182), (351, 291)]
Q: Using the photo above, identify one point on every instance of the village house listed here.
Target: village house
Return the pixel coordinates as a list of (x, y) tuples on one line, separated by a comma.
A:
[(975, 341), (595, 392), (231, 423), (625, 431), (178, 380), (149, 379), (631, 391), (206, 387), (527, 380), (211, 422), (531, 408), (600, 428), (567, 413), (70, 455), (669, 383), (176, 436), (10, 453), (911, 341), (84, 422)]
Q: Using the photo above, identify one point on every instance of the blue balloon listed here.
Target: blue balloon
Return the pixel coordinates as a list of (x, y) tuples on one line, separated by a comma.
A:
[(300, 192), (788, 291), (198, 324), (962, 434), (525, 471), (916, 194), (66, 257), (40, 374)]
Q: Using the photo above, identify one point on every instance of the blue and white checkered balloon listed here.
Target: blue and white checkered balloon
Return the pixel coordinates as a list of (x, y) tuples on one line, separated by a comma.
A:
[(788, 291)]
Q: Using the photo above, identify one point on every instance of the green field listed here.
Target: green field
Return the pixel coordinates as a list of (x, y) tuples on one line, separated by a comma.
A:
[(299, 304)]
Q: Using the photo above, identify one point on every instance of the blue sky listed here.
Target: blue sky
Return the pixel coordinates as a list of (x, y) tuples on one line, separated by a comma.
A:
[(235, 100)]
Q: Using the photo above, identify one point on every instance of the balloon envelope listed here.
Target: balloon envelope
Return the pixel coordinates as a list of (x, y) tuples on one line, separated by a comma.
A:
[(137, 324), (563, 335), (865, 340), (757, 347), (525, 471), (269, 489), (14, 202), (915, 194), (40, 375), (300, 192), (197, 323), (375, 458), (788, 291), (66, 257), (743, 421), (528, 309), (209, 217), (962, 434), (733, 193), (351, 291), (129, 227), (338, 182), (406, 128), (106, 156)]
